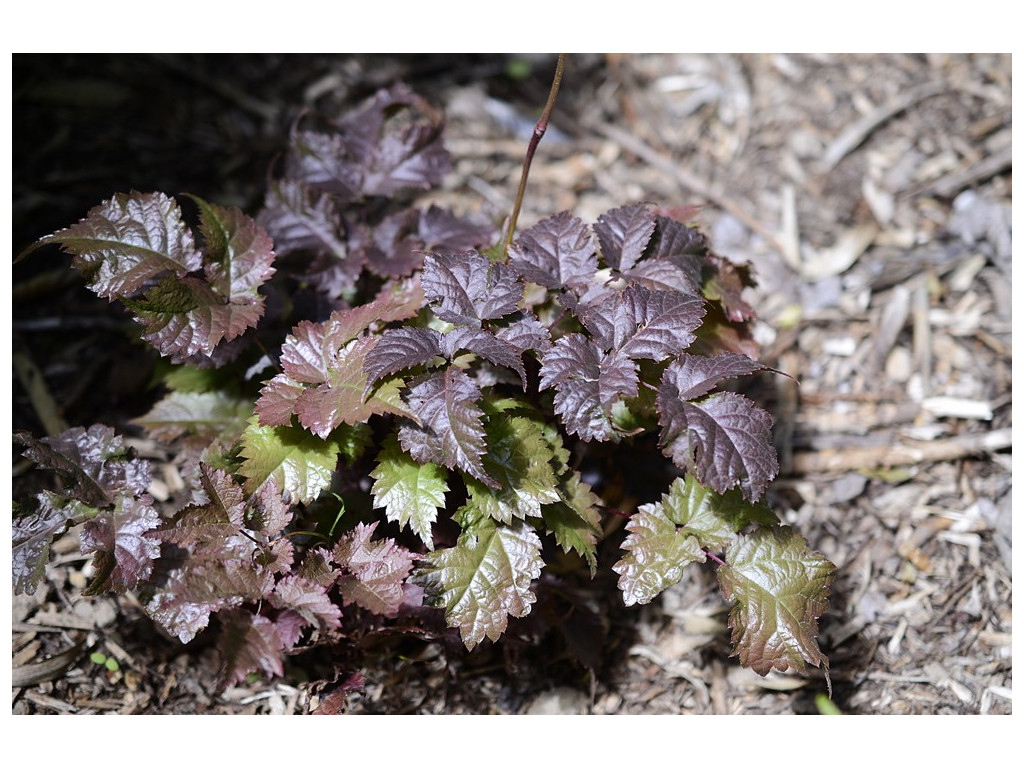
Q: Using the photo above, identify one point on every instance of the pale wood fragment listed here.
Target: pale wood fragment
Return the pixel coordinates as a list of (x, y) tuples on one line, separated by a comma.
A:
[(882, 457)]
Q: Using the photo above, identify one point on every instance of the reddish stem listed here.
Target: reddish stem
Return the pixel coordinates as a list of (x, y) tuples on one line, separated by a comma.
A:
[(538, 132), (714, 557)]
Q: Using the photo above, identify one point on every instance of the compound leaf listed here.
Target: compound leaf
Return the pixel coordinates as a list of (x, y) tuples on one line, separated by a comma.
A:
[(484, 578), (781, 588)]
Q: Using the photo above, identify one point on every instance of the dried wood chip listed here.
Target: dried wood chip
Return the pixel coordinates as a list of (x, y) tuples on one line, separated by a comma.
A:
[(50, 669)]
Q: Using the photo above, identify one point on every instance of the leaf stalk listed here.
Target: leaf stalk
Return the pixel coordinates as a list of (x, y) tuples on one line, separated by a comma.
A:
[(538, 132)]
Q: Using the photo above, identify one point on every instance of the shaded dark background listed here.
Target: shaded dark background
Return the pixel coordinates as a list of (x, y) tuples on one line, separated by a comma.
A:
[(87, 126)]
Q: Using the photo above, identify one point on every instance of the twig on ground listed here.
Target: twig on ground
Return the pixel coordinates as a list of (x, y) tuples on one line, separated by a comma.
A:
[(856, 458)]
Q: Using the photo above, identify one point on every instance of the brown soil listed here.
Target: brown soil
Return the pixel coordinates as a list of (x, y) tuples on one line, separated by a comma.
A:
[(870, 193)]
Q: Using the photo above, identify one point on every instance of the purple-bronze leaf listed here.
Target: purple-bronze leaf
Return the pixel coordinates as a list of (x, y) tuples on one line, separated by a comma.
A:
[(624, 233), (266, 513), (725, 438), (441, 229), (95, 461), (412, 157), (725, 281), (393, 247), (485, 345), (340, 399), (524, 332), (556, 252), (208, 561), (183, 317), (248, 643), (644, 324), (298, 218), (212, 526), (587, 382), (128, 241), (276, 402), (238, 258), (375, 571), (673, 275), (674, 239), (401, 348), (781, 588), (33, 532), (467, 288), (323, 161), (193, 587), (692, 376), (324, 367), (309, 600), (124, 556), (450, 432)]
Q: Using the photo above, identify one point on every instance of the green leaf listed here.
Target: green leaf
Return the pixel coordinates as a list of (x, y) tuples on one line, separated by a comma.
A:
[(410, 492), (713, 518), (205, 414), (781, 588), (574, 520), (299, 464), (484, 578), (519, 458), (657, 552)]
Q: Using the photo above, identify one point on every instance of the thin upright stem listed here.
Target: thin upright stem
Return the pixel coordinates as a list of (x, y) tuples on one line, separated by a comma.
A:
[(538, 132)]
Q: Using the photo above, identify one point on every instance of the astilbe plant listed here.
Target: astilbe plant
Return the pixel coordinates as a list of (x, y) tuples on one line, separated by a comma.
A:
[(434, 383)]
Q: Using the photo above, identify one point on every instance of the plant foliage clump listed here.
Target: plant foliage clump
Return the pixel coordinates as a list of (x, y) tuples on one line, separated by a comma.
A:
[(407, 442)]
